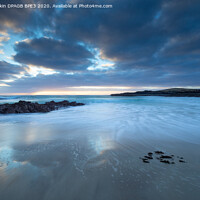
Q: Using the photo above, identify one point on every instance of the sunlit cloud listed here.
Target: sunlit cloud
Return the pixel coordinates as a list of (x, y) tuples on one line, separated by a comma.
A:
[(3, 33), (9, 58), (79, 92), (27, 72), (27, 40), (13, 78), (1, 51), (4, 39), (99, 63), (4, 85), (20, 75), (35, 70), (103, 87), (85, 90), (8, 80), (11, 25), (104, 57)]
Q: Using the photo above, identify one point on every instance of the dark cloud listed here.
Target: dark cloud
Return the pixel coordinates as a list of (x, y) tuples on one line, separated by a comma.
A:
[(152, 42), (8, 70), (26, 21), (51, 53), (137, 33), (182, 45), (126, 32), (14, 18), (147, 78), (180, 17)]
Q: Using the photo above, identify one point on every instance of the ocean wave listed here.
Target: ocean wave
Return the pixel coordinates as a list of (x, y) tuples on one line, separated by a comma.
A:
[(8, 97)]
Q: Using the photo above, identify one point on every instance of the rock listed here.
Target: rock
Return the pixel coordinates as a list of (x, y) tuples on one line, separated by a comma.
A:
[(165, 161), (148, 157), (29, 107), (159, 152), (145, 160), (168, 157)]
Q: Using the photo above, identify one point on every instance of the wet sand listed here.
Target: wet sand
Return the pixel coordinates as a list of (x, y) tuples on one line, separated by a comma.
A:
[(96, 156)]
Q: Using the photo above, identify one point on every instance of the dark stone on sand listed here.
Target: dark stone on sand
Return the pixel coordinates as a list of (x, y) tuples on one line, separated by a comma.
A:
[(167, 157), (159, 152), (148, 157), (165, 161), (30, 107), (171, 92), (145, 160)]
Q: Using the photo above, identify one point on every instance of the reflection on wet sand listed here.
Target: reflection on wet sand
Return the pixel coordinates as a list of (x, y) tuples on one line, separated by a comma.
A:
[(56, 156), (93, 170)]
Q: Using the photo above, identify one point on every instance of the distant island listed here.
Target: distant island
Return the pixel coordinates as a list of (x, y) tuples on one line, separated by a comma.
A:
[(171, 92)]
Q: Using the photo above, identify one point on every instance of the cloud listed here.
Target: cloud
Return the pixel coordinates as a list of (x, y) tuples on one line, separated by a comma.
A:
[(122, 33), (135, 33), (52, 53), (1, 51), (143, 43), (25, 21), (62, 82), (9, 71), (4, 39), (13, 18)]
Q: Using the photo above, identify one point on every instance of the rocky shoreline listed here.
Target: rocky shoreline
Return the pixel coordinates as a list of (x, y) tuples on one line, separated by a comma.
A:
[(31, 107), (172, 92)]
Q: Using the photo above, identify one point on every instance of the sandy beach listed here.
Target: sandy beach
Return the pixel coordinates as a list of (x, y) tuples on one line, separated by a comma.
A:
[(93, 151)]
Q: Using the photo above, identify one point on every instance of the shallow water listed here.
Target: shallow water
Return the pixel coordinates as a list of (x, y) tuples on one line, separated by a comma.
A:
[(92, 151)]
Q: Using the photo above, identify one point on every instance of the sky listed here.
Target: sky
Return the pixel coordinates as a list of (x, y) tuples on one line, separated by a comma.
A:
[(135, 45)]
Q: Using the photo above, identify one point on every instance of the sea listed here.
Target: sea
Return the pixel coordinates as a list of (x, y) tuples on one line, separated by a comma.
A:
[(95, 151)]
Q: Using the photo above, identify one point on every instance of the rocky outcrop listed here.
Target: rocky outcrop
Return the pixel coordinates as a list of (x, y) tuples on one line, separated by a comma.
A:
[(172, 92), (30, 107)]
